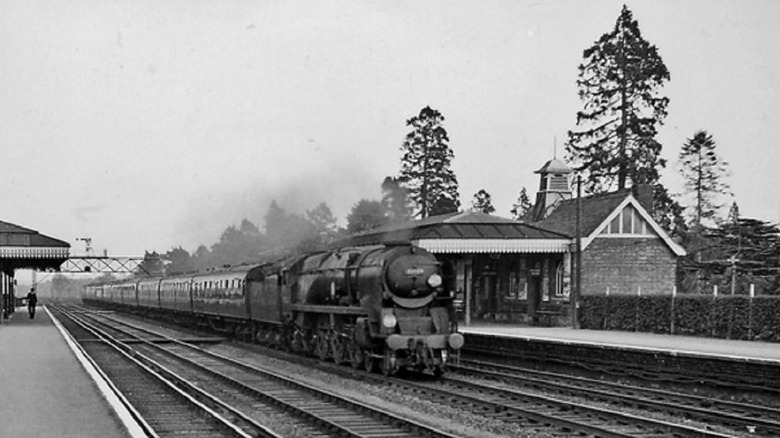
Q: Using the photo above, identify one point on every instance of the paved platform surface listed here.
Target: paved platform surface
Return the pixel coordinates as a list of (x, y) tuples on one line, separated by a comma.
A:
[(731, 349), (44, 389)]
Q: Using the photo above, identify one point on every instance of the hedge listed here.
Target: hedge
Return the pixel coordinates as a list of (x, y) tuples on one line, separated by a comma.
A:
[(727, 317)]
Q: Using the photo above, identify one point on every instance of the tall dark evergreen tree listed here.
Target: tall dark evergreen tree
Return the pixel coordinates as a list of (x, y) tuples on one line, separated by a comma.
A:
[(619, 84), (483, 202), (425, 165), (703, 171), (521, 207)]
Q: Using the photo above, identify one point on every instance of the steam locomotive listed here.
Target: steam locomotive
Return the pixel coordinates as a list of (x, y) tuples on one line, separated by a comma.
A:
[(379, 306)]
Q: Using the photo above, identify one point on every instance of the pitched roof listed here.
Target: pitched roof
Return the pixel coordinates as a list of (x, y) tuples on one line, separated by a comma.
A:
[(595, 209), (14, 235), (555, 166), (22, 247)]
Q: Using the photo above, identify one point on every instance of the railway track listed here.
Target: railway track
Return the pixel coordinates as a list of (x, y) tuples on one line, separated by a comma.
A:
[(739, 417), (157, 404), (483, 391), (250, 391), (552, 415), (651, 366)]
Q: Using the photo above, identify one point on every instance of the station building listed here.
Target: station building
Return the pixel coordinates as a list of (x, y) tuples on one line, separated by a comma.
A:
[(522, 271)]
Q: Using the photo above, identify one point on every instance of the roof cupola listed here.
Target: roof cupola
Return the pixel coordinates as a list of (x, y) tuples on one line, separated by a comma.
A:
[(554, 187)]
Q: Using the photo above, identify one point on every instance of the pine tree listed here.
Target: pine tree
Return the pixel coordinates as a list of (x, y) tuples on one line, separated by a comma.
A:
[(618, 84), (521, 207), (425, 165), (703, 171), (483, 202)]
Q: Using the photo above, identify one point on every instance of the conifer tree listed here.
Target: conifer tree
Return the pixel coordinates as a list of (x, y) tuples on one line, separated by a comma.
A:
[(483, 202), (619, 84), (425, 165), (521, 207), (703, 171)]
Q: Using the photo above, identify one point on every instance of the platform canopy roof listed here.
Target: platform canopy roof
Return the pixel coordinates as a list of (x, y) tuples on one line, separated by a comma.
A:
[(23, 248), (467, 232)]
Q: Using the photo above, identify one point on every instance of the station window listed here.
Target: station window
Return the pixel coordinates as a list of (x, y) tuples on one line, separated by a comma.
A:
[(559, 280)]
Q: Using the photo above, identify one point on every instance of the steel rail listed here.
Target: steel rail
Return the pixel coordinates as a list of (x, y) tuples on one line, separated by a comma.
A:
[(416, 428), (754, 418), (120, 350)]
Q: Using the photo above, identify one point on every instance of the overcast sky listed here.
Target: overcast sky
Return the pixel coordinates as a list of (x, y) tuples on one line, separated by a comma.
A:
[(152, 124)]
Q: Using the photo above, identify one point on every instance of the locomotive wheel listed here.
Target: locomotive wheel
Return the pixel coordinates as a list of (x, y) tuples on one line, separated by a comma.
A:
[(368, 361), (298, 343), (389, 363), (323, 345), (338, 348), (355, 355)]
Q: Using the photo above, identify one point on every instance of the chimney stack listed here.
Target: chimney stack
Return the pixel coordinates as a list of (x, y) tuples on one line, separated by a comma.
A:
[(644, 193)]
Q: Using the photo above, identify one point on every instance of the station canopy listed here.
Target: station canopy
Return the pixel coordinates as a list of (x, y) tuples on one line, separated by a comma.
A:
[(23, 248), (468, 232)]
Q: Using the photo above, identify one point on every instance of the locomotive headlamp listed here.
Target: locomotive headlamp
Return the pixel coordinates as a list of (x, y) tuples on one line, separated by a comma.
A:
[(434, 280), (389, 320)]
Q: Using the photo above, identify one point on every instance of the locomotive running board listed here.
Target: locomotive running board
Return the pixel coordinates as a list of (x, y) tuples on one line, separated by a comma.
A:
[(341, 310)]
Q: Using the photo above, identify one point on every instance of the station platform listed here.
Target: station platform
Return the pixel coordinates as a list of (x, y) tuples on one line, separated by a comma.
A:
[(48, 388), (649, 342)]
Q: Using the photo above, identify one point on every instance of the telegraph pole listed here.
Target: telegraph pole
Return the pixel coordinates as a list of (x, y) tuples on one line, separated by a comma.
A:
[(575, 300)]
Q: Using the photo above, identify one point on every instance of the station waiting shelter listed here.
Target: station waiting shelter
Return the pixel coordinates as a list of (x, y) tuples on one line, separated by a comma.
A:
[(24, 248)]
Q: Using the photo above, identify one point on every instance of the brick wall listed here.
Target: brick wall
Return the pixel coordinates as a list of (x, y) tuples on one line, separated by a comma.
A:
[(625, 264)]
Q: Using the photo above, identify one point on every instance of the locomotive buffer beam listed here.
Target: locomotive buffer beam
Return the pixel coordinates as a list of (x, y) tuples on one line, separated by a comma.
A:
[(90, 264)]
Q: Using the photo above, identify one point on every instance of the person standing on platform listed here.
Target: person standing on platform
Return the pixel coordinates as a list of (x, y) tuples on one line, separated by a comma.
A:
[(32, 301)]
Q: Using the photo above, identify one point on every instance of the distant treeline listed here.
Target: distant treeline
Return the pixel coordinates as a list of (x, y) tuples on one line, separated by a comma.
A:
[(284, 233)]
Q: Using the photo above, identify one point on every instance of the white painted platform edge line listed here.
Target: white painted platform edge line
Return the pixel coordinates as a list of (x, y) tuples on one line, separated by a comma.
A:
[(131, 424)]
